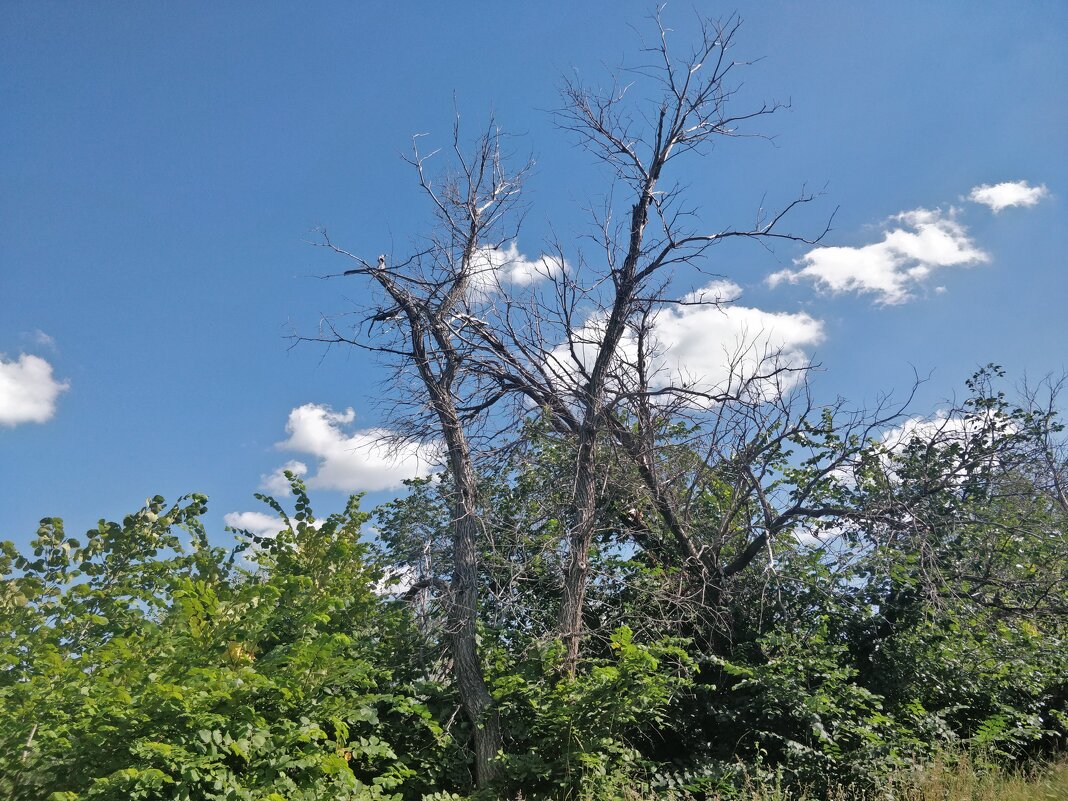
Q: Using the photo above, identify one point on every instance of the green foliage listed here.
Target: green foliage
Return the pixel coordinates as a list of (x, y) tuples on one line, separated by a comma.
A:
[(142, 662), (580, 736), (800, 709), (148, 665)]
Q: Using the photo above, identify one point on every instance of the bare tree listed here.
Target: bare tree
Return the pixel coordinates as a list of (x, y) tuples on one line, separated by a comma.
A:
[(422, 302), (1041, 401), (579, 342), (581, 349)]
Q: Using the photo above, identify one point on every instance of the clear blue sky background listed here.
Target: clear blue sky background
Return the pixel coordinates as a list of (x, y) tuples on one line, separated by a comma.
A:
[(162, 166)]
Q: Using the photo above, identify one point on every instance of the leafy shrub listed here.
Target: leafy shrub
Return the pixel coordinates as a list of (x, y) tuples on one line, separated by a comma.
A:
[(144, 664), (580, 736)]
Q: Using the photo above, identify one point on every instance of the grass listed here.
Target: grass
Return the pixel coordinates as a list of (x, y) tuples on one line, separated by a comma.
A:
[(964, 783), (959, 780), (940, 781)]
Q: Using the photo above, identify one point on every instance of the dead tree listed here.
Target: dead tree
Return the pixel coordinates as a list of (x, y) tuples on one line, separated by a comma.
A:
[(579, 343), (423, 300), (568, 345)]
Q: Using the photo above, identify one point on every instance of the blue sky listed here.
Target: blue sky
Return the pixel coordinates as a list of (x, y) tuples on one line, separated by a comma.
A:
[(162, 167)]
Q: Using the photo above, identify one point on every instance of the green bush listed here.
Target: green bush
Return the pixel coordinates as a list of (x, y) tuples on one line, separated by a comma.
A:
[(147, 664)]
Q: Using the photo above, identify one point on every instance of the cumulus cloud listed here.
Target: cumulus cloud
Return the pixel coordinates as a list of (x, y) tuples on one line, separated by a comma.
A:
[(940, 429), (1008, 193), (708, 347), (965, 431), (277, 484), (258, 523), (913, 247), (28, 391), (497, 269), (944, 428), (352, 462)]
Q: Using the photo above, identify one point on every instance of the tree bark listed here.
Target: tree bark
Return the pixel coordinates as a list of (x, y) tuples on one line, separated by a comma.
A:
[(577, 571), (576, 576), (463, 635)]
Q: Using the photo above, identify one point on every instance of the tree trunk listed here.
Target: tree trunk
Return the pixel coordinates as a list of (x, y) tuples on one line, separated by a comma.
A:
[(463, 619), (463, 615), (576, 573)]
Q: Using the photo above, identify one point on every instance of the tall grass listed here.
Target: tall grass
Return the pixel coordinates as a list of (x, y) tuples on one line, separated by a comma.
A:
[(945, 780), (963, 782), (942, 781)]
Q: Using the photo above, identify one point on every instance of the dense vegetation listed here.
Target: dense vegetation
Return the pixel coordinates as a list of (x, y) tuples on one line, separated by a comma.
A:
[(925, 623)]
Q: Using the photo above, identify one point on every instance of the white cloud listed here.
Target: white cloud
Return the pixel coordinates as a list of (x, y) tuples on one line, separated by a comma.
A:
[(944, 429), (361, 461), (259, 523), (497, 269), (711, 348), (941, 428), (1008, 193), (28, 391), (701, 342), (925, 241), (396, 581), (41, 339), (277, 484), (964, 431)]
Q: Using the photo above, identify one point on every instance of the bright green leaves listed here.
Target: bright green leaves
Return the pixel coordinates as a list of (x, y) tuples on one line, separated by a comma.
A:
[(139, 661), (147, 664), (578, 735)]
